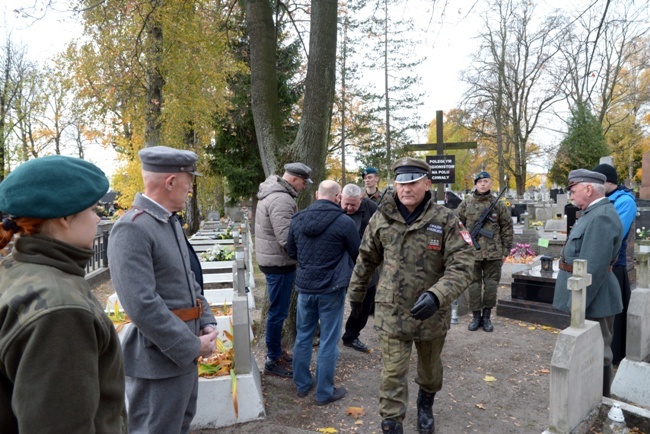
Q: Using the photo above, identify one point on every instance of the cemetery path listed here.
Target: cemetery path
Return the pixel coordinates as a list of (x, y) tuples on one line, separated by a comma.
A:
[(493, 383)]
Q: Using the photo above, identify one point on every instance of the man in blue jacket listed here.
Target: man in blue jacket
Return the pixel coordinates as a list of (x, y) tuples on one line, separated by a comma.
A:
[(595, 237), (325, 242), (623, 200)]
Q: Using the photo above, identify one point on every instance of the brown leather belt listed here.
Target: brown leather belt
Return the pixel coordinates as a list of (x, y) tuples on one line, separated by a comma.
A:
[(569, 268), (190, 313)]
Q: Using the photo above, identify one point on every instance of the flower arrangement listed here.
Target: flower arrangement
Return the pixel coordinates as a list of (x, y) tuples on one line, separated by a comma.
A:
[(522, 254), (643, 233), (218, 253)]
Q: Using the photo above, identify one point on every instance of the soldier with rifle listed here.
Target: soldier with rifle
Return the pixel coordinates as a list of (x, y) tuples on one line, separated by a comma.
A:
[(490, 225)]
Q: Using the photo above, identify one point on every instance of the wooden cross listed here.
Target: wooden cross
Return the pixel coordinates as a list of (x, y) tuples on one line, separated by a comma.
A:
[(578, 283), (440, 146)]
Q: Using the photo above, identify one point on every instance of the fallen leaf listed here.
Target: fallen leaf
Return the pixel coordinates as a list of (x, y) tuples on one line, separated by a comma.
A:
[(358, 422), (355, 411), (328, 430), (522, 324), (532, 328), (489, 378), (544, 371), (481, 406)]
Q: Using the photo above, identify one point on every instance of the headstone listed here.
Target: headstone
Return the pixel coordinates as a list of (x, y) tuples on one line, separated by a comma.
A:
[(632, 380), (555, 226), (644, 192), (561, 201), (531, 298), (577, 363), (543, 213)]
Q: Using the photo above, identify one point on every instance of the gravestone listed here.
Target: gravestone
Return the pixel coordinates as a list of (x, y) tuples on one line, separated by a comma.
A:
[(632, 380), (543, 212), (558, 208), (531, 298), (577, 364)]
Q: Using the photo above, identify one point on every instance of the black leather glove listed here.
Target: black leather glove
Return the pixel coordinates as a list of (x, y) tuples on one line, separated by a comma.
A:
[(426, 306), (355, 309)]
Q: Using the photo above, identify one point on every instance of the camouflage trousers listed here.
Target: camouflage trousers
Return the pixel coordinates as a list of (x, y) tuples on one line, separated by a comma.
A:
[(483, 289), (396, 355)]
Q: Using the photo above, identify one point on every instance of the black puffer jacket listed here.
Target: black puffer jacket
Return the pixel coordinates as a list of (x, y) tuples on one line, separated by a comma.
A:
[(325, 242)]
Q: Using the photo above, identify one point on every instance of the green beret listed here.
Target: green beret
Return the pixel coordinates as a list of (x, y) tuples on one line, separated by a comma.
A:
[(51, 187)]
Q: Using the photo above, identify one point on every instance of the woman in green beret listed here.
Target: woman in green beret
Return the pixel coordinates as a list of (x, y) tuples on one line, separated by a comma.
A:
[(61, 366)]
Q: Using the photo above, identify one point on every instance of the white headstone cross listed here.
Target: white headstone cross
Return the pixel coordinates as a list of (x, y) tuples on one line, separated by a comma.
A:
[(578, 284)]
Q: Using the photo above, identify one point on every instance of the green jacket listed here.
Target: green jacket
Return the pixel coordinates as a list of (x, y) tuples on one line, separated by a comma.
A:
[(61, 368), (429, 255), (499, 223)]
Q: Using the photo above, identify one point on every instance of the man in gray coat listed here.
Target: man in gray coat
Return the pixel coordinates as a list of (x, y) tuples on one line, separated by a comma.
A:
[(277, 203), (172, 322), (595, 237)]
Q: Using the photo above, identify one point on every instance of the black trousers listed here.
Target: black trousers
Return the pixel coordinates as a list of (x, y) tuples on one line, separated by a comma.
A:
[(353, 326), (620, 321)]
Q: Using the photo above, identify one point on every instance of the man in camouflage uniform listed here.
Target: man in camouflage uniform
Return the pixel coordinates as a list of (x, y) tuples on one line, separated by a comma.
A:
[(489, 259), (371, 180), (428, 259)]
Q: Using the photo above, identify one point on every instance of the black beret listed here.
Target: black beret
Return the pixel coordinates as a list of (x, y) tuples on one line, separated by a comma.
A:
[(52, 187), (299, 169), (583, 175), (609, 172), (163, 159), (410, 170)]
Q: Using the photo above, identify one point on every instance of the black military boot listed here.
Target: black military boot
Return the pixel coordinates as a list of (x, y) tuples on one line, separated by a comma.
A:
[(476, 321), (426, 424), (390, 426), (487, 324)]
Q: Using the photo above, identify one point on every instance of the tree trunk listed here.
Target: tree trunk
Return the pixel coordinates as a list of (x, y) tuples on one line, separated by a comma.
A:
[(310, 145), (155, 80), (264, 83)]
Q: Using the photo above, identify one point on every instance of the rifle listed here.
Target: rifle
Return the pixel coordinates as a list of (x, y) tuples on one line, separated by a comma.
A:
[(478, 229)]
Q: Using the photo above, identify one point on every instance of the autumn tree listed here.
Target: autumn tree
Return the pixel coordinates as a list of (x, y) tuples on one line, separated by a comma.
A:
[(157, 74)]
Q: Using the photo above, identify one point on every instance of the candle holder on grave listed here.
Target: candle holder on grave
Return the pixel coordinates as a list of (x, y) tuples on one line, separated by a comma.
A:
[(547, 264)]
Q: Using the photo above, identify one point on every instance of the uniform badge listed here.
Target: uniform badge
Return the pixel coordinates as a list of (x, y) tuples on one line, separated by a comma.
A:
[(466, 236), (434, 244)]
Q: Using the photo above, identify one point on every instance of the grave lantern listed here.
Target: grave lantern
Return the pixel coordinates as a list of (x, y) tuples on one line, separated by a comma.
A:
[(547, 263)]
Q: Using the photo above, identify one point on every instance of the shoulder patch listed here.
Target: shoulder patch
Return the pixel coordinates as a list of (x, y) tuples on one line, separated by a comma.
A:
[(466, 236)]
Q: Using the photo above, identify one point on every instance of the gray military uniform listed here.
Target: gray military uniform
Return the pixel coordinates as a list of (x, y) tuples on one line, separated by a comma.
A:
[(150, 268)]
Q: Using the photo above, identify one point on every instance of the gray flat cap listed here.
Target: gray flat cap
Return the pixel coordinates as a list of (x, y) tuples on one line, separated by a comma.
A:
[(164, 159), (583, 175), (299, 169)]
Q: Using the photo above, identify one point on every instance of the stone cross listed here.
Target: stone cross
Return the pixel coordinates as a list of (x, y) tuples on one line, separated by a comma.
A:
[(578, 283), (643, 270), (440, 146)]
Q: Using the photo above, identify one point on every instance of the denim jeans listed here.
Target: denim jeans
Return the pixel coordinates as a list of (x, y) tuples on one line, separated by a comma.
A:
[(328, 308), (279, 287)]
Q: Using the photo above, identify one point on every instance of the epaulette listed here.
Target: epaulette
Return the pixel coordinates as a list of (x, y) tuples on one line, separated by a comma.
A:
[(138, 212)]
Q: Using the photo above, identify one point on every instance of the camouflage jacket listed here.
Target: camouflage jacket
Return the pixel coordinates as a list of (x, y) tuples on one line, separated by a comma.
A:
[(499, 223), (61, 366), (429, 255)]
